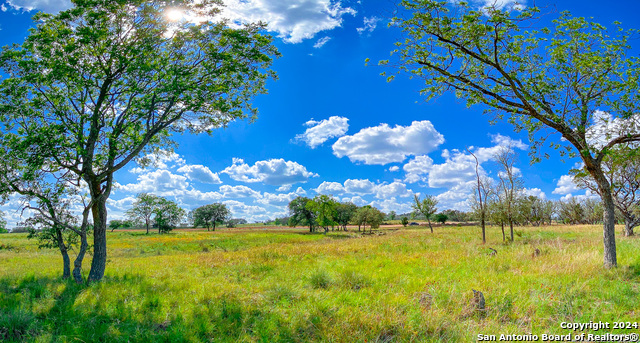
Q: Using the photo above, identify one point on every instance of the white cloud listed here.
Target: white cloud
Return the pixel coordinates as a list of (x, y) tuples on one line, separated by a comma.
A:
[(284, 188), (321, 42), (456, 170), (199, 173), (239, 192), (281, 199), (605, 127), (456, 197), (320, 131), (160, 160), (159, 182), (49, 6), (417, 168), (359, 186), (330, 188), (565, 185), (536, 192), (249, 212), (394, 169), (3, 8), (370, 24), (383, 144), (356, 200), (392, 190), (293, 20), (391, 204), (276, 172)]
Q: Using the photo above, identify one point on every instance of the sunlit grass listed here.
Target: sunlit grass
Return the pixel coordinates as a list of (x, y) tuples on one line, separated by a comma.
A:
[(287, 285)]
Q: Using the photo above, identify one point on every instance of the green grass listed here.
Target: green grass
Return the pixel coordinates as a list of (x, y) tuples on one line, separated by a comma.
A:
[(285, 285)]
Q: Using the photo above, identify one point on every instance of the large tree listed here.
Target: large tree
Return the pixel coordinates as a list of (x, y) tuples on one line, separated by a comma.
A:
[(324, 209), (93, 87), (168, 215), (300, 214), (545, 81), (210, 215)]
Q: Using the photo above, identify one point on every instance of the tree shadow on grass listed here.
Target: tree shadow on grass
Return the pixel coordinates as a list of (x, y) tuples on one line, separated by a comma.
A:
[(128, 308)]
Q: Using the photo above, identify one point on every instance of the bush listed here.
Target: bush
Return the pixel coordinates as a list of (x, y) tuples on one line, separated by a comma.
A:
[(404, 221)]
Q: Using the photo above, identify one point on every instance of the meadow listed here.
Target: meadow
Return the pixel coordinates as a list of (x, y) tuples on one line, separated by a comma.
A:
[(287, 285)]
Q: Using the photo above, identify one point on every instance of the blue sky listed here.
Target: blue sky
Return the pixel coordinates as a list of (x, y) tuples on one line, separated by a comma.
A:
[(332, 125)]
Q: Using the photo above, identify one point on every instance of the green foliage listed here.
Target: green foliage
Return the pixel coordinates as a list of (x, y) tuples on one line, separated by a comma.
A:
[(94, 87), (404, 221), (120, 224), (209, 215), (367, 215), (324, 209), (168, 215), (300, 214), (344, 213), (440, 218), (143, 209)]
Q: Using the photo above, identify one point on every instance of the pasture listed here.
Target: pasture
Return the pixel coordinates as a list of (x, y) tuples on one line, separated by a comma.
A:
[(286, 285)]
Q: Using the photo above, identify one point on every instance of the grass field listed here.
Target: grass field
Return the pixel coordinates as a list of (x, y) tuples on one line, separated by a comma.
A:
[(285, 285)]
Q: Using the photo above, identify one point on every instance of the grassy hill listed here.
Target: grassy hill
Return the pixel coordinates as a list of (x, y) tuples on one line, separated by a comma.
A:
[(285, 285)]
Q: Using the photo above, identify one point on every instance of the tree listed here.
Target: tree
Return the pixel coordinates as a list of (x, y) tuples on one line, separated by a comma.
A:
[(93, 87), (481, 193), (392, 215), (368, 215), (208, 215), (344, 213), (510, 184), (168, 215), (441, 218), (622, 168), (235, 222), (404, 221), (548, 80), (117, 224), (143, 209), (426, 207), (324, 209), (300, 214)]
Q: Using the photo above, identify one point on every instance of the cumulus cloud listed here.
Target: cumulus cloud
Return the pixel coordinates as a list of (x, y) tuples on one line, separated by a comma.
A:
[(160, 160), (330, 188), (200, 174), (239, 192), (417, 169), (394, 169), (159, 181), (293, 20), (319, 132), (282, 199), (391, 204), (49, 6), (565, 185), (359, 186), (457, 197), (384, 144), (370, 24), (275, 172), (536, 192)]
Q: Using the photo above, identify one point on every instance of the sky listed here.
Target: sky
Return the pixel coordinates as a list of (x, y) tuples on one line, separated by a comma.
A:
[(331, 124)]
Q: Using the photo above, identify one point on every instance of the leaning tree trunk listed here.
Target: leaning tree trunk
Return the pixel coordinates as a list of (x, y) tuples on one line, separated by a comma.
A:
[(431, 227), (628, 228), (77, 264), (99, 262), (482, 224), (66, 262), (511, 228)]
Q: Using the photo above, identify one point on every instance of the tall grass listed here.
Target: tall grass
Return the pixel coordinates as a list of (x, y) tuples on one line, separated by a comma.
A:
[(289, 286)]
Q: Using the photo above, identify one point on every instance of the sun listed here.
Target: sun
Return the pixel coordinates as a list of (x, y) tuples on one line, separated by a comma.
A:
[(174, 14)]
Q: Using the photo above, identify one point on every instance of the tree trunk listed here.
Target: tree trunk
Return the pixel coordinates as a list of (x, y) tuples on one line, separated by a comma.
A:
[(147, 222), (628, 229), (428, 220), (482, 224), (504, 238), (511, 228), (99, 261), (609, 217), (66, 263), (77, 264)]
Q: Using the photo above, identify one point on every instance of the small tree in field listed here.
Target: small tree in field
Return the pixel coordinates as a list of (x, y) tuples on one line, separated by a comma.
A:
[(143, 209), (168, 215), (324, 208), (566, 79), (404, 221), (120, 224), (368, 215), (209, 215), (426, 207), (441, 218)]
